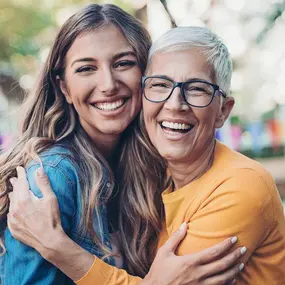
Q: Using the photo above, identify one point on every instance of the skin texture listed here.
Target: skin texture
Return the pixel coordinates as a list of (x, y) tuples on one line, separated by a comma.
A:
[(101, 67), (189, 155)]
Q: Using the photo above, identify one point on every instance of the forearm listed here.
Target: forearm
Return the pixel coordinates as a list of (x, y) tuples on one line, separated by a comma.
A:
[(69, 257), (83, 267)]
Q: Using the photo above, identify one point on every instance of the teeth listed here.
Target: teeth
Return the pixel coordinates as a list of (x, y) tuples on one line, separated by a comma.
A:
[(110, 106), (176, 126)]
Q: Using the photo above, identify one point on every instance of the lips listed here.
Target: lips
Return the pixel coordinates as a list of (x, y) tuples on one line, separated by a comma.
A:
[(110, 106)]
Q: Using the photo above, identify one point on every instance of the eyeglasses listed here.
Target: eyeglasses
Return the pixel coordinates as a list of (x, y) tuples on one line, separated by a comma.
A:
[(196, 92)]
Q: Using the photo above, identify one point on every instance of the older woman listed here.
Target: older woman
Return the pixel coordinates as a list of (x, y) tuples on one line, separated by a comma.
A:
[(219, 193)]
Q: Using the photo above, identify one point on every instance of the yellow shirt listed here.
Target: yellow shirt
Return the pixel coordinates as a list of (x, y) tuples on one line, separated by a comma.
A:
[(236, 196)]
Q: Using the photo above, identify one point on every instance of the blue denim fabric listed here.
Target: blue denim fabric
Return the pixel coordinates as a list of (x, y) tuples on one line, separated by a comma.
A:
[(21, 264)]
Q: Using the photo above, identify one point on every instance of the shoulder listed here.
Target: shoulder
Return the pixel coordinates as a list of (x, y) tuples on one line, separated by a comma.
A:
[(60, 166), (245, 182), (58, 160), (242, 172)]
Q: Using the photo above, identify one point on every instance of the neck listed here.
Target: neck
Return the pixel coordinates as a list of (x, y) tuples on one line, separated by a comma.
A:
[(107, 146), (185, 172), (105, 143)]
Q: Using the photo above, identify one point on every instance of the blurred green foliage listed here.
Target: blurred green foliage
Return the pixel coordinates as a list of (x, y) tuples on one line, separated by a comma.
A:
[(28, 26)]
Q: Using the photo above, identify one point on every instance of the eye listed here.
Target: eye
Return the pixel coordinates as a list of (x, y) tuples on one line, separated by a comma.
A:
[(160, 85), (198, 89), (84, 69), (125, 63)]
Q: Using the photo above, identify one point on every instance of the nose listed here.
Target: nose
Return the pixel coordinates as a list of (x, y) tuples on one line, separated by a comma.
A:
[(107, 81), (176, 101)]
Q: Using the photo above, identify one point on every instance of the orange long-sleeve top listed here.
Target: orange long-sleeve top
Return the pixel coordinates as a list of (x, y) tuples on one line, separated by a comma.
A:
[(235, 197)]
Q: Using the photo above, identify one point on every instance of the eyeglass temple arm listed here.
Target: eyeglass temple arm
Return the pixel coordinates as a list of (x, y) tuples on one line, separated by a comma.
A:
[(223, 93)]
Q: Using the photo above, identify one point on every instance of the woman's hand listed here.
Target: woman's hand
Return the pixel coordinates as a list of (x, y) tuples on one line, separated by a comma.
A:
[(36, 222), (213, 266), (31, 220)]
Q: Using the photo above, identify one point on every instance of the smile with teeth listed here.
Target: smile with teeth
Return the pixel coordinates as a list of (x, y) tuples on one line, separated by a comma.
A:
[(110, 106), (177, 127)]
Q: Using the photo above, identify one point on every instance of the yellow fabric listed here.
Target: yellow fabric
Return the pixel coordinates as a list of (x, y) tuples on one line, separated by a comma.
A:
[(235, 197), (102, 273)]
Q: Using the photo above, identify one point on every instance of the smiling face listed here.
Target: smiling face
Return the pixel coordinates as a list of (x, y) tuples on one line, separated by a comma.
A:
[(180, 132), (102, 81)]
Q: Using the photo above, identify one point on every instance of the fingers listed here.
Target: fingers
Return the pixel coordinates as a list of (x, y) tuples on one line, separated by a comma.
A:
[(33, 197), (21, 172), (175, 239), (227, 277), (16, 227), (224, 263), (213, 253), (13, 181), (20, 184), (43, 183)]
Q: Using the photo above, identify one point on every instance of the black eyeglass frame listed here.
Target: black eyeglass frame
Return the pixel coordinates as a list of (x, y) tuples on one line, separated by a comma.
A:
[(181, 85)]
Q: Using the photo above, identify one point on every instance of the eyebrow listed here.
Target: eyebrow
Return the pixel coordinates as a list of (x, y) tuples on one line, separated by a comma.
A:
[(124, 53), (115, 57), (84, 59)]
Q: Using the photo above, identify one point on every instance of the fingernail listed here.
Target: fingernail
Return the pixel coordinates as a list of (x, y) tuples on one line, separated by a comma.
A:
[(243, 250), (241, 267), (234, 281), (234, 240), (41, 171), (182, 227)]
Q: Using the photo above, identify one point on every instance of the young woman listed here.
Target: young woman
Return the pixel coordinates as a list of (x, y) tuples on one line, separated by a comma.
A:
[(80, 126)]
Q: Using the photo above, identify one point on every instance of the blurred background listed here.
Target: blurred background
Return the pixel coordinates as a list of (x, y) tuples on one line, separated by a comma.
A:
[(253, 31)]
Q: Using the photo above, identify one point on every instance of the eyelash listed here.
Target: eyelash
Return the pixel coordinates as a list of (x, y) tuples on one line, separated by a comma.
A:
[(85, 69), (125, 63)]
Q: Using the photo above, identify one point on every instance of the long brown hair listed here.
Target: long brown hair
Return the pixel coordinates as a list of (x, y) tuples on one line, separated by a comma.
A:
[(141, 179), (48, 119)]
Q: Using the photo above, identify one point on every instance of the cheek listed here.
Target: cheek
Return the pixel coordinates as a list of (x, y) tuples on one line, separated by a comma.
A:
[(73, 92), (150, 114), (207, 117), (137, 95), (133, 79), (147, 111)]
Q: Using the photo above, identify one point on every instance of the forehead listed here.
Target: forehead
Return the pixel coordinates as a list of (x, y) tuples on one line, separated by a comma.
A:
[(100, 43), (181, 65)]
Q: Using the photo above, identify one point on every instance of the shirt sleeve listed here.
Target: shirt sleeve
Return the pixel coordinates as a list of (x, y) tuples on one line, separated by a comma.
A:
[(22, 264), (105, 274)]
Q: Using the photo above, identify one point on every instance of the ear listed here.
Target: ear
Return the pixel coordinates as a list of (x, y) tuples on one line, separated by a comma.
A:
[(62, 85), (227, 106)]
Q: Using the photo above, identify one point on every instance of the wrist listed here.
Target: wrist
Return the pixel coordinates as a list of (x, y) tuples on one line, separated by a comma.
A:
[(66, 255), (52, 247)]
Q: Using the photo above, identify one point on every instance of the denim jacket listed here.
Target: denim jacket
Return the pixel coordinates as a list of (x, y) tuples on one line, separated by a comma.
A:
[(21, 264)]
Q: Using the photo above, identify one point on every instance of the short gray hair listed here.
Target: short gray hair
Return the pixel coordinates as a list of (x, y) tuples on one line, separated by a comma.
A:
[(211, 45)]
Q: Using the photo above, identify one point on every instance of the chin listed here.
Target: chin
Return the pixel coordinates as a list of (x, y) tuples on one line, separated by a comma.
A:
[(114, 129), (172, 155)]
